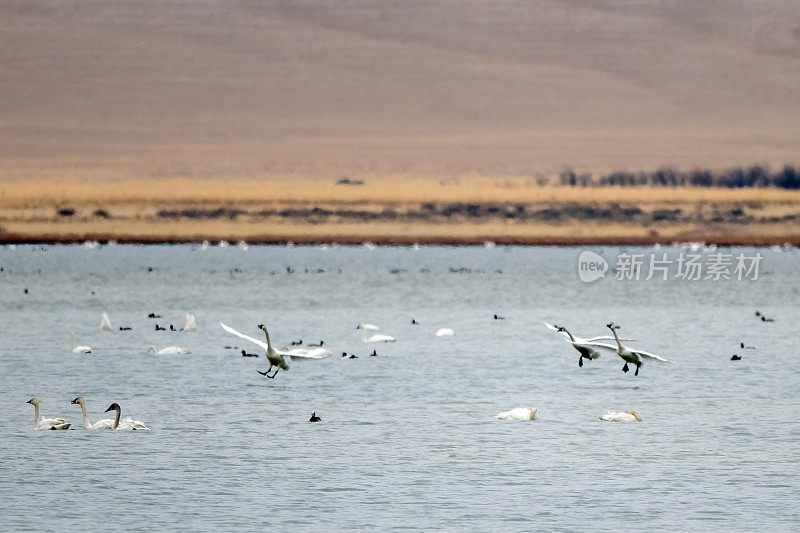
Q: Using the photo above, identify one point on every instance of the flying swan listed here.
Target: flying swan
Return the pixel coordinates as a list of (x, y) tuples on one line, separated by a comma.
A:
[(106, 423), (78, 349), (277, 358), (377, 337), (128, 424), (635, 357), (585, 347), (518, 413), (616, 416), (46, 423)]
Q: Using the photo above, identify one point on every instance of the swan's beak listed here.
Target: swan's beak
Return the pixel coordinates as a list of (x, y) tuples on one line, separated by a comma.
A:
[(260, 326), (610, 325), (74, 401), (109, 409), (30, 401)]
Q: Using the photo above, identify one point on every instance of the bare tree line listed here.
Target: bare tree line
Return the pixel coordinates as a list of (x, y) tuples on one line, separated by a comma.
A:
[(755, 176)]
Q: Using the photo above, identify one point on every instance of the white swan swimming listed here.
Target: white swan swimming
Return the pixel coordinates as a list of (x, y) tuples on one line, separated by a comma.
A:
[(106, 423), (46, 423), (586, 347), (617, 416), (277, 358), (105, 322), (128, 424), (377, 337), (190, 324), (518, 413), (635, 357), (169, 350), (78, 349), (445, 332)]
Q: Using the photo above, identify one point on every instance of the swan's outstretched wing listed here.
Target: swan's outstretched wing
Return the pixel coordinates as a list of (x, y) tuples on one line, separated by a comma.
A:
[(608, 338), (648, 355), (306, 353), (548, 325), (243, 336), (599, 345)]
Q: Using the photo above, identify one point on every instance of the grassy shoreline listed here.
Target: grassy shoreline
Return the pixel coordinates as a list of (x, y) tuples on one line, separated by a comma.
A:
[(504, 210)]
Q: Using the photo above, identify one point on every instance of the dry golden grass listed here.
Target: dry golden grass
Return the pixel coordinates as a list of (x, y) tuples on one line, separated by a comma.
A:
[(376, 190), (28, 212)]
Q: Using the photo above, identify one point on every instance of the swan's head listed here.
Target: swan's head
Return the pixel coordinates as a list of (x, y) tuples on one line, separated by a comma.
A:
[(78, 401), (635, 414), (533, 413), (34, 402), (369, 327), (262, 327), (613, 326), (560, 328), (113, 407)]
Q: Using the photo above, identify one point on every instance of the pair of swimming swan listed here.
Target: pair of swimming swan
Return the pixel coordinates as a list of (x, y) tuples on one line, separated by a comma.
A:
[(529, 413), (128, 424), (588, 348), (277, 358), (376, 337)]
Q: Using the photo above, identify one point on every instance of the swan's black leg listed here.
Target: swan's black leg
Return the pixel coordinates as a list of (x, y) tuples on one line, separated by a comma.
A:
[(275, 374), (625, 368), (580, 361), (267, 372), (637, 370)]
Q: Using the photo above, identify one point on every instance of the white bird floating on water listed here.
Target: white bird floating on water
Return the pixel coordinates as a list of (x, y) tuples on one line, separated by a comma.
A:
[(277, 358), (445, 332), (169, 350), (377, 337), (128, 424), (190, 324), (46, 423), (105, 322), (78, 349), (628, 355), (616, 416), (106, 423), (518, 413), (585, 347)]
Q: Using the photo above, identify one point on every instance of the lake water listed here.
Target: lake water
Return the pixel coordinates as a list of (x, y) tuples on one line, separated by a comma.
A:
[(408, 439)]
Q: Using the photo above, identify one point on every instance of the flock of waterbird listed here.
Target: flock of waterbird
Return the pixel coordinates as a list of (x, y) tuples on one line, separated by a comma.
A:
[(588, 348)]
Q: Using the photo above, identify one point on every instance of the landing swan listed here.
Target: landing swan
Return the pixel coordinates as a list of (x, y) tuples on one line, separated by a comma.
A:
[(518, 413), (445, 332), (635, 357), (78, 349), (616, 416), (128, 424), (169, 350), (46, 423), (105, 322), (277, 358), (190, 324), (377, 337), (586, 347), (106, 423)]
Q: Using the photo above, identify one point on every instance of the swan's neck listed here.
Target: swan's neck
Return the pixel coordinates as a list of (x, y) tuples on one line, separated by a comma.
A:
[(571, 338), (86, 422), (35, 415), (364, 334), (116, 419), (269, 342), (614, 331)]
